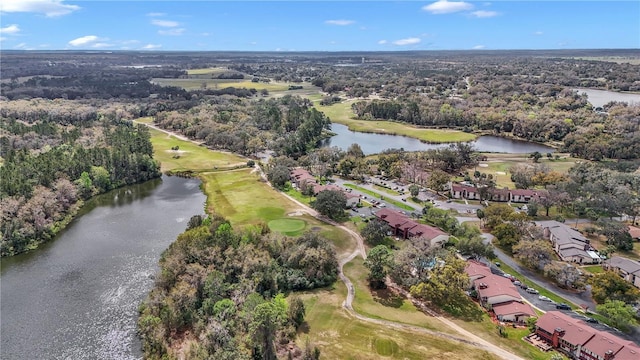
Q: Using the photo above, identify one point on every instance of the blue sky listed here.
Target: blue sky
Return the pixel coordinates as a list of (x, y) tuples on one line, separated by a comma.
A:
[(318, 25)]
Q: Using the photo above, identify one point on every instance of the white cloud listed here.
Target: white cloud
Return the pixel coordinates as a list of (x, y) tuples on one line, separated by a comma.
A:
[(130, 42), (101, 45), (478, 47), (407, 41), (447, 7), (50, 8), (156, 14), (538, 33), (164, 23), (151, 46), (11, 29), (23, 46), (339, 22), (484, 13), (2, 38), (84, 40), (382, 42), (172, 32)]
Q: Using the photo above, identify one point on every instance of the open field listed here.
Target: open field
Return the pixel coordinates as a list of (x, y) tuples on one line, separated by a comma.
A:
[(339, 336), (341, 113), (209, 71), (243, 199), (189, 156), (195, 84), (383, 304)]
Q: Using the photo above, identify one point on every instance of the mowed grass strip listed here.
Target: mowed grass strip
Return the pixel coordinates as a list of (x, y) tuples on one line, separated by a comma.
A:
[(189, 156), (341, 113), (241, 197), (339, 336)]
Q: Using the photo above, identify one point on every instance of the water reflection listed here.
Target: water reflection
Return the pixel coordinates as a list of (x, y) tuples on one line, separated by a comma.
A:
[(376, 143)]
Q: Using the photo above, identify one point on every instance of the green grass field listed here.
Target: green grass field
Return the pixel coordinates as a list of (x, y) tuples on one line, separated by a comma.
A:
[(189, 156), (208, 71), (339, 336), (341, 113), (288, 226)]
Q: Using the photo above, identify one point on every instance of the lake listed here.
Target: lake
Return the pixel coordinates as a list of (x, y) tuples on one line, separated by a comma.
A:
[(599, 98), (376, 143), (77, 297)]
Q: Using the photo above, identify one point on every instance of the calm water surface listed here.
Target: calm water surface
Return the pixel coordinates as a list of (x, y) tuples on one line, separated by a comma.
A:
[(599, 98), (77, 297), (376, 143)]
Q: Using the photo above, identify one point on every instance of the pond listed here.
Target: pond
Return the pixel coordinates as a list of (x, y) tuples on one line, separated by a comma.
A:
[(599, 98), (376, 143), (77, 297)]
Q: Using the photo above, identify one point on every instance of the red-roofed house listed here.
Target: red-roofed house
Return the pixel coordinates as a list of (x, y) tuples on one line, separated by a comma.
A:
[(404, 227), (522, 195), (477, 270), (578, 340), (513, 311), (634, 232), (495, 289)]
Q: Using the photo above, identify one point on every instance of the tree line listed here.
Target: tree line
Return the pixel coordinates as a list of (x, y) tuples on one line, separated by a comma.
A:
[(43, 184), (233, 304)]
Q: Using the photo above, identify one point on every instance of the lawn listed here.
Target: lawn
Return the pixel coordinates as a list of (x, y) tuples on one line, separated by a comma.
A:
[(287, 226), (242, 198), (594, 269), (195, 84), (340, 336), (189, 155), (341, 113)]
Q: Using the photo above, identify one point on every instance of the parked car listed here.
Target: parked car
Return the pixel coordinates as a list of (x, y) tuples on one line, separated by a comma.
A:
[(517, 283), (563, 307), (590, 320), (532, 291), (524, 286), (544, 298), (497, 264)]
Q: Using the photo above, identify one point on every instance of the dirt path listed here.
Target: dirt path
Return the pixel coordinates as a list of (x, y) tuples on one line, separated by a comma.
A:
[(177, 136), (467, 337)]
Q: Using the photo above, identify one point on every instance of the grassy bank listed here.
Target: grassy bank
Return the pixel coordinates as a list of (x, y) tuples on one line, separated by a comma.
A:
[(189, 155), (341, 113)]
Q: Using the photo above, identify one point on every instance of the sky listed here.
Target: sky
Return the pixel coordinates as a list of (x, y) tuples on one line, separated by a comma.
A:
[(211, 25)]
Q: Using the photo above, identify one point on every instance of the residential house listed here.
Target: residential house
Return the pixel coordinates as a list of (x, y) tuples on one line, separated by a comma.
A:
[(628, 269), (513, 311), (498, 293), (634, 231), (496, 289), (462, 191), (569, 244), (501, 195), (404, 227), (525, 195), (578, 340)]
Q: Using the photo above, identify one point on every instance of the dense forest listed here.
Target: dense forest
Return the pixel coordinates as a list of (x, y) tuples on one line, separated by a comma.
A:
[(55, 155), (209, 306)]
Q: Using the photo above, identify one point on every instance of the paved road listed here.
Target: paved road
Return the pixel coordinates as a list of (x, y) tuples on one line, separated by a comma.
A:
[(582, 298)]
